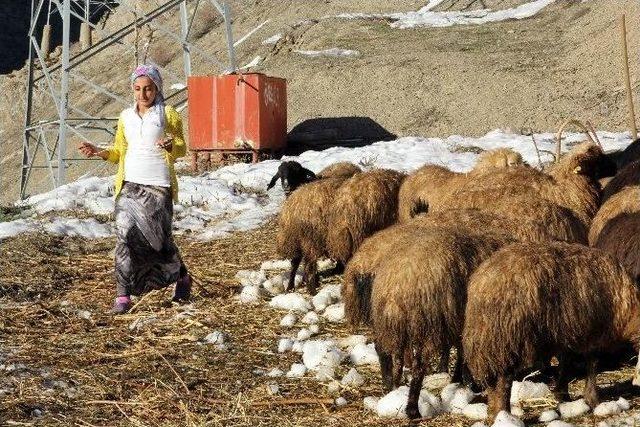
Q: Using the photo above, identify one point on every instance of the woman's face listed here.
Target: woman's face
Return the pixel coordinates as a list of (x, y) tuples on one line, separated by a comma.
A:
[(144, 91)]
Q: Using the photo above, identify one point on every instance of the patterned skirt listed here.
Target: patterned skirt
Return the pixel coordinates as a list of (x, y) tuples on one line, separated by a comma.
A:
[(146, 256)]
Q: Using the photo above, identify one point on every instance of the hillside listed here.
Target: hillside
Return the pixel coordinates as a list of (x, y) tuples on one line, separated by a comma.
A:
[(521, 75)]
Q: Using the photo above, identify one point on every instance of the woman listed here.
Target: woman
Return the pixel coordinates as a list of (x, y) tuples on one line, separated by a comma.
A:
[(148, 140)]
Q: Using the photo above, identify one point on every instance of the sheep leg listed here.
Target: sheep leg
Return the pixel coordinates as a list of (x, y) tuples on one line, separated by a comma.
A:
[(457, 371), (417, 375), (295, 263), (311, 276), (397, 358), (590, 392), (444, 359), (385, 368), (561, 390), (499, 396)]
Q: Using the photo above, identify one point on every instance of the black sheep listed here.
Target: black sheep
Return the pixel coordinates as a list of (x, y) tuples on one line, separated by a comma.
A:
[(292, 175)]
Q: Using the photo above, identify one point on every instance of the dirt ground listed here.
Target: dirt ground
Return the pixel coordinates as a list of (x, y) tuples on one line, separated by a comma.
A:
[(65, 361), (521, 75)]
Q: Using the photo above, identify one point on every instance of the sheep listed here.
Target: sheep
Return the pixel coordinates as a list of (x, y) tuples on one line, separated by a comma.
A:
[(615, 228), (303, 226), (571, 183), (418, 299), (292, 175), (627, 201), (365, 203), (628, 155), (629, 175), (339, 169), (558, 224), (530, 301), (620, 238), (427, 183)]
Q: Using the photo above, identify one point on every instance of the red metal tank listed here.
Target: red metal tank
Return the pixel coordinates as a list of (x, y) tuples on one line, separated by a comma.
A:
[(237, 113)]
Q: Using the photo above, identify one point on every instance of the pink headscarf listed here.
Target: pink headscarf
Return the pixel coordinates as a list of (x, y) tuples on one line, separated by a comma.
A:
[(153, 73)]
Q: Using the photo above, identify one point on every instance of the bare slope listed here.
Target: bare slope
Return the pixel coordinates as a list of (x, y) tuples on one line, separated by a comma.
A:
[(525, 74)]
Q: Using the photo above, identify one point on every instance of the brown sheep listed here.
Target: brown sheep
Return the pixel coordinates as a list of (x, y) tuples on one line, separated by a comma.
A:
[(430, 183), (620, 238), (365, 203), (624, 202), (303, 227), (418, 300), (571, 183), (531, 301), (339, 170), (358, 276), (627, 176)]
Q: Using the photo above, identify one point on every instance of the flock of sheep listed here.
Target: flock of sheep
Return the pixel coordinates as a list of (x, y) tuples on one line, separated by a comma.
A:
[(510, 265)]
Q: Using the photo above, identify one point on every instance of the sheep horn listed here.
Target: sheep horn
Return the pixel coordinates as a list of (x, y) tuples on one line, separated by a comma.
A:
[(561, 130), (595, 135)]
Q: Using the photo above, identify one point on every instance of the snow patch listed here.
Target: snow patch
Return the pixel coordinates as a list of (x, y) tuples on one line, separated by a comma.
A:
[(293, 301), (573, 409)]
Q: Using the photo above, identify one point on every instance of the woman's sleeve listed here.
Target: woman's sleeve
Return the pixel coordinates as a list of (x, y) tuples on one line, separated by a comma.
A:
[(116, 149), (174, 127)]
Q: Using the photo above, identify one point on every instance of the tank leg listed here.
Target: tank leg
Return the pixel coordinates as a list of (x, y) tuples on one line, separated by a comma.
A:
[(194, 161)]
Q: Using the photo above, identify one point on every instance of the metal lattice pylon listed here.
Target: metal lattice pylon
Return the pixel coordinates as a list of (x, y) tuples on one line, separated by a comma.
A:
[(45, 134)]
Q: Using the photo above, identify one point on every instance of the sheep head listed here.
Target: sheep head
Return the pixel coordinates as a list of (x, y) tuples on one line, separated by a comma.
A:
[(292, 175), (500, 158), (586, 159)]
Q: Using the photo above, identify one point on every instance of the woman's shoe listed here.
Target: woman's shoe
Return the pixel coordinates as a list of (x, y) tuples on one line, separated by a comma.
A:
[(183, 288), (121, 305)]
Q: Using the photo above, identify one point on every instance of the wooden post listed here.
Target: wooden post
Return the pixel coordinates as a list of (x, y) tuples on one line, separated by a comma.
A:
[(627, 80), (45, 43)]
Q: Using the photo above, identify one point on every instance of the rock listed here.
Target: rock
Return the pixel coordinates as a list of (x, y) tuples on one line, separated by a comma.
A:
[(303, 334), (559, 423), (364, 354), (352, 379), (606, 409), (325, 373), (505, 419), (275, 372), (297, 371), (623, 404), (311, 318), (351, 341), (475, 411), (272, 389), (292, 301), (333, 387), (436, 381), (215, 337), (288, 321), (334, 313), (573, 409), (284, 345), (142, 322), (527, 390), (317, 353), (250, 295), (461, 398), (370, 403), (548, 416)]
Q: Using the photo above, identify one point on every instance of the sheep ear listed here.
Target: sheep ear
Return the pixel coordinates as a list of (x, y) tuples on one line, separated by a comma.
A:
[(577, 169), (273, 181)]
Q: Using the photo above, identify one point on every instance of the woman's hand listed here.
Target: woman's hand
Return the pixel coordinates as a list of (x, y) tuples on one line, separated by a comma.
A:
[(88, 149), (166, 143)]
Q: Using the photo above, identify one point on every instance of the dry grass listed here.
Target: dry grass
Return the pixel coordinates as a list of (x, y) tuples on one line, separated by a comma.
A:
[(98, 371)]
